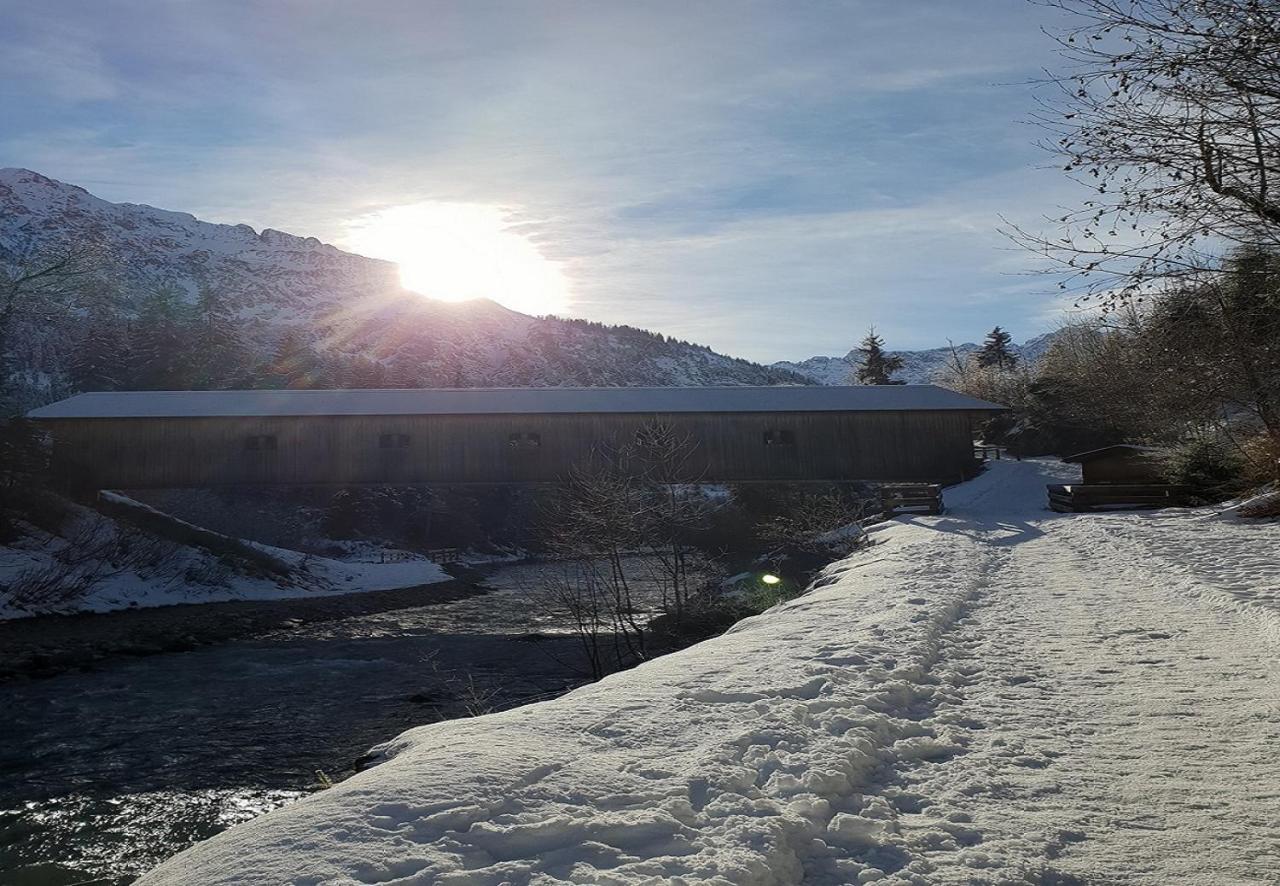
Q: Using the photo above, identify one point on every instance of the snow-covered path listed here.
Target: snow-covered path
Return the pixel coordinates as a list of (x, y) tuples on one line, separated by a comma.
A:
[(1120, 726), (995, 695)]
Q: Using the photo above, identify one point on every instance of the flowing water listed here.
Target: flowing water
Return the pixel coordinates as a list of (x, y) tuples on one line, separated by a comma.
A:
[(105, 773)]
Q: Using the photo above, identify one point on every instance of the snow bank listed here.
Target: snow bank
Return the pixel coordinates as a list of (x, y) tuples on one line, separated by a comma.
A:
[(738, 761), (1264, 505), (779, 751), (103, 568)]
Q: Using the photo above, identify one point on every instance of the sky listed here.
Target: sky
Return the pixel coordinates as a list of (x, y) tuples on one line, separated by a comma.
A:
[(768, 178)]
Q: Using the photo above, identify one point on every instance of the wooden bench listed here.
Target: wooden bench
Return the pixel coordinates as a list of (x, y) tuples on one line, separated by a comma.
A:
[(911, 498), (1068, 498)]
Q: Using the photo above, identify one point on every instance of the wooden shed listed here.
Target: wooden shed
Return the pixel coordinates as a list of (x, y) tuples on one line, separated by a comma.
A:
[(149, 439), (1122, 463), (1119, 477)]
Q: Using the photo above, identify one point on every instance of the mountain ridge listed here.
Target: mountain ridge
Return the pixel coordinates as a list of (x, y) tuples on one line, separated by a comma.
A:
[(919, 367), (284, 291), (352, 311)]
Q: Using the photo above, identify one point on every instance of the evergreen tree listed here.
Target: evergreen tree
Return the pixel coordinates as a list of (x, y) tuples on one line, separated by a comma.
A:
[(367, 373), (163, 355), (219, 355), (1221, 340), (877, 366), (103, 359), (402, 374), (996, 351), (294, 364)]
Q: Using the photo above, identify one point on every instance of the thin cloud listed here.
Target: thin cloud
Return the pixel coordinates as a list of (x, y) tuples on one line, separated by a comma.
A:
[(742, 174)]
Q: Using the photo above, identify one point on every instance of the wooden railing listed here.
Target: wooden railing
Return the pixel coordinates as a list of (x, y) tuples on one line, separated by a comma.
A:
[(444, 556), (914, 498), (1068, 498)]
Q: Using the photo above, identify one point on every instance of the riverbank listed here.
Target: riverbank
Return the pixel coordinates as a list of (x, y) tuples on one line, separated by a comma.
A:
[(44, 646), (111, 766)]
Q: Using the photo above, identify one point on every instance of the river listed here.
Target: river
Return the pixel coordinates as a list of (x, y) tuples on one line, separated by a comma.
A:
[(107, 771)]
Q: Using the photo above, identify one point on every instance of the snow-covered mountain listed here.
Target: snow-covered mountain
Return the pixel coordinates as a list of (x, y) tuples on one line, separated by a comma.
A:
[(342, 306), (919, 367)]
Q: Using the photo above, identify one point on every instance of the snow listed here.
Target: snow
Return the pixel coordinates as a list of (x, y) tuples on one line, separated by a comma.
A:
[(489, 401), (998, 694), (345, 576), (182, 574), (1265, 503)]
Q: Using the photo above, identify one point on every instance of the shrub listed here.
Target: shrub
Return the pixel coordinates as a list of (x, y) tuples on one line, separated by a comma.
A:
[(1261, 455), (1209, 467)]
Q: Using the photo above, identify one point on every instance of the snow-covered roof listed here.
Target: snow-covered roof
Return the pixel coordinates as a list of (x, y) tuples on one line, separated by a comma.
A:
[(495, 401)]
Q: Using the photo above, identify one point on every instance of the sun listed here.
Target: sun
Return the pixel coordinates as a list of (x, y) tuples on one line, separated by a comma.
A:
[(462, 251)]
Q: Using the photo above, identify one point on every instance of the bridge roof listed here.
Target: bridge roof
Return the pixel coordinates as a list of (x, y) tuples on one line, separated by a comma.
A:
[(496, 401)]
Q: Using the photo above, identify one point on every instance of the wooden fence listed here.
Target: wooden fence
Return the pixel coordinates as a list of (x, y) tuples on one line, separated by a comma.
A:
[(1078, 498), (911, 498)]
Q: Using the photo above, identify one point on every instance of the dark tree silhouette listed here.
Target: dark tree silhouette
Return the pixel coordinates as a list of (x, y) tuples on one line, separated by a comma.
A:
[(37, 286), (996, 351), (1220, 341), (163, 358), (221, 356), (877, 366), (295, 364)]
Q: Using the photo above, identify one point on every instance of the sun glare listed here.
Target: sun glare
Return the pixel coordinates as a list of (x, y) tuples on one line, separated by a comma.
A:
[(461, 251)]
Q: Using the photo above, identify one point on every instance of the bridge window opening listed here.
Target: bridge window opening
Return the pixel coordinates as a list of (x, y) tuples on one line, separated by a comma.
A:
[(779, 437), (260, 443), (394, 441), (524, 441)]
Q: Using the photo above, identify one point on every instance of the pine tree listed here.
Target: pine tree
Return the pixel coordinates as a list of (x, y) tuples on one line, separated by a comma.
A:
[(294, 364), (219, 357), (369, 374), (403, 374), (996, 351), (877, 366), (163, 355), (103, 359)]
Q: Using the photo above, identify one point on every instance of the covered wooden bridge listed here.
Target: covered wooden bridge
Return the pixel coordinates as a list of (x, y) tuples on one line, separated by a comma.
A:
[(149, 439)]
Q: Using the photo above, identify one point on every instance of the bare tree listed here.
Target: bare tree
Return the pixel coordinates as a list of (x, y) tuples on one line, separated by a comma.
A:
[(596, 520), (570, 592), (823, 520), (621, 528), (39, 286), (92, 551), (669, 468), (1169, 110)]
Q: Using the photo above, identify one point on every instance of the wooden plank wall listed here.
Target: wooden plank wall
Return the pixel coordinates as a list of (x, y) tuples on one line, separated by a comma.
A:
[(1124, 467), (140, 453)]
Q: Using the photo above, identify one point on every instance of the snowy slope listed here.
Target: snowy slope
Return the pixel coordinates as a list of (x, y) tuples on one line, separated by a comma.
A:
[(266, 273), (919, 367), (974, 700), (150, 571), (343, 304)]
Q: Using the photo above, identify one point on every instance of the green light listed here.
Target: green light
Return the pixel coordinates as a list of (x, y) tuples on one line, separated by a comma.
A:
[(770, 579)]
